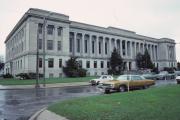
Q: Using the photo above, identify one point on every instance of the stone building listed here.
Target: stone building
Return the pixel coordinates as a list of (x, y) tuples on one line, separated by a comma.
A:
[(91, 44)]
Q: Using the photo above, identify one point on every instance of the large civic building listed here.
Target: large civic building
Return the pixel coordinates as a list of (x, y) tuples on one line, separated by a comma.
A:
[(91, 44)]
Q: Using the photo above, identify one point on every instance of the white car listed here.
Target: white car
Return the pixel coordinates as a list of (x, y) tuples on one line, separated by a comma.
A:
[(178, 79), (101, 79)]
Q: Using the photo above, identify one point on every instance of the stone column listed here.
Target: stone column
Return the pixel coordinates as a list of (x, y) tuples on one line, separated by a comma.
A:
[(97, 47), (131, 50), (126, 48), (103, 47), (90, 45), (110, 47), (82, 45)]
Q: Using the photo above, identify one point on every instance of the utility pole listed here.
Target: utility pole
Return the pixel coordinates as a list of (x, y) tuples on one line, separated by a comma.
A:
[(37, 61), (44, 40)]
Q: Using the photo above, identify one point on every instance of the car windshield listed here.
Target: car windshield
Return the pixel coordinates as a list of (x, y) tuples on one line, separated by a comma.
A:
[(130, 77)]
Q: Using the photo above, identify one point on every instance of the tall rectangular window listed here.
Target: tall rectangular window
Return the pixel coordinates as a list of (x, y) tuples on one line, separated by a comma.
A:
[(59, 31), (85, 44), (40, 62), (108, 64), (59, 45), (50, 45), (93, 47), (50, 29), (70, 44), (40, 44), (40, 28), (106, 48), (60, 63), (78, 45), (95, 64), (102, 64), (50, 62), (87, 64), (99, 47)]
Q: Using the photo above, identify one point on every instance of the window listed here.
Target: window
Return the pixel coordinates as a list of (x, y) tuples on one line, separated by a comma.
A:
[(93, 47), (50, 45), (99, 47), (59, 45), (87, 64), (40, 44), (50, 62), (95, 64), (70, 44), (78, 45), (106, 48), (40, 62), (108, 64), (50, 29), (59, 31), (40, 27), (60, 63), (85, 46), (102, 64)]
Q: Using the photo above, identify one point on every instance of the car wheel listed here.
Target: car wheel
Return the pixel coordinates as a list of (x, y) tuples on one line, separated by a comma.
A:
[(107, 91), (178, 82), (97, 83), (122, 88), (145, 86)]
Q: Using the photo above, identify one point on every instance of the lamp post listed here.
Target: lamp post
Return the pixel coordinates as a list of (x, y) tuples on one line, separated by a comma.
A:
[(44, 45), (37, 62)]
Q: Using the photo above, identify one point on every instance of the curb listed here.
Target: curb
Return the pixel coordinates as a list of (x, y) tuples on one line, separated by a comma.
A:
[(23, 88), (35, 115)]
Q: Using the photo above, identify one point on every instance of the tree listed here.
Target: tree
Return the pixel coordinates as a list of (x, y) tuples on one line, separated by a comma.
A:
[(178, 65), (144, 61), (72, 68), (147, 60), (116, 63), (139, 61)]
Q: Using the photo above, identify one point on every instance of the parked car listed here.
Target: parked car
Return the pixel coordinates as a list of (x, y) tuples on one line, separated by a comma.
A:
[(178, 79), (163, 75), (122, 82), (151, 75), (101, 79)]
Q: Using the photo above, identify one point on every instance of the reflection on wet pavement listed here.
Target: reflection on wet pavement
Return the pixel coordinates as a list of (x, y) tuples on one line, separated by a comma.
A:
[(21, 104)]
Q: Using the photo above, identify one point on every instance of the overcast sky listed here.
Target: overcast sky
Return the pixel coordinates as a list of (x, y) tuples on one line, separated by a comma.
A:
[(153, 18)]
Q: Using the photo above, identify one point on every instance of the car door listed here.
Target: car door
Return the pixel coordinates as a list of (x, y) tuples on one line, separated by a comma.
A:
[(136, 81)]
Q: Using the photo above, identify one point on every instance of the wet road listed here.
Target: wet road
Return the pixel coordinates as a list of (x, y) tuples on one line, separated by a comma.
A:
[(21, 104)]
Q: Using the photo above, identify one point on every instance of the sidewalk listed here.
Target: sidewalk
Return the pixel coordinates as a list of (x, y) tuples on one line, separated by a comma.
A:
[(55, 85), (45, 114)]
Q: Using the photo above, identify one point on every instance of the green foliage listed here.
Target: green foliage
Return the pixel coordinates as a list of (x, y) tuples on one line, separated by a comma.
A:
[(7, 76), (160, 103), (72, 68), (116, 63), (144, 61), (28, 75)]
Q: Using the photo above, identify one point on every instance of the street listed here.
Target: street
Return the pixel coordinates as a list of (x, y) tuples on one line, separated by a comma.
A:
[(21, 104)]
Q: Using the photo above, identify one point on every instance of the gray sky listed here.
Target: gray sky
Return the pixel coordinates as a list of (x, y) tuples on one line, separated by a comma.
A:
[(153, 18)]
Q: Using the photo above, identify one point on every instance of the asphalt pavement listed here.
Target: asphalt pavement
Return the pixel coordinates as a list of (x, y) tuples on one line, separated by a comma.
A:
[(21, 104)]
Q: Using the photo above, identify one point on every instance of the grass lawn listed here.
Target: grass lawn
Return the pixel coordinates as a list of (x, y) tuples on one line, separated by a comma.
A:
[(157, 103), (48, 81)]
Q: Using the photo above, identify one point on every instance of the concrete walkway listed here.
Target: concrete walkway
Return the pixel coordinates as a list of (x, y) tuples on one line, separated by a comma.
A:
[(55, 85)]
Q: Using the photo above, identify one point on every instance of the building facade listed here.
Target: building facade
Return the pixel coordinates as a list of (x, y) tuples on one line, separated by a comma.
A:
[(91, 44)]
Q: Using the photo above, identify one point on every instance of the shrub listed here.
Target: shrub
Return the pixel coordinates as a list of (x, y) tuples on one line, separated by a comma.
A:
[(82, 72), (7, 76), (169, 69), (28, 75)]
